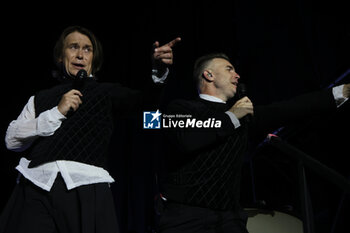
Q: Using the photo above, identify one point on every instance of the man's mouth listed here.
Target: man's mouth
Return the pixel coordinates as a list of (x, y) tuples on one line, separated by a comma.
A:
[(78, 65)]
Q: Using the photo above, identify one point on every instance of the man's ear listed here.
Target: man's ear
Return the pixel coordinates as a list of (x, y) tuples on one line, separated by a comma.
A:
[(207, 75)]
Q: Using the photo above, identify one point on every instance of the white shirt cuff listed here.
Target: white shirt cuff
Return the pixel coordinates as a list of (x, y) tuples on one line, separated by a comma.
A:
[(234, 119), (338, 95), (157, 79)]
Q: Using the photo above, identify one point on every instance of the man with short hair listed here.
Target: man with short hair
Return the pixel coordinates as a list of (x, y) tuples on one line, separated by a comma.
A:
[(202, 184)]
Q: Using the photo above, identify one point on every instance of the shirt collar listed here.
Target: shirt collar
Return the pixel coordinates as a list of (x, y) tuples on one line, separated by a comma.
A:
[(211, 98)]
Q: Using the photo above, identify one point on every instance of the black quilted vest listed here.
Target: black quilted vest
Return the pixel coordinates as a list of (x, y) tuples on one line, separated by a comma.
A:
[(84, 136)]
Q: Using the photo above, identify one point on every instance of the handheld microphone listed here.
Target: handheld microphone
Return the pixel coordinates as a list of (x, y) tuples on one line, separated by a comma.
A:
[(78, 84), (242, 92), (79, 79)]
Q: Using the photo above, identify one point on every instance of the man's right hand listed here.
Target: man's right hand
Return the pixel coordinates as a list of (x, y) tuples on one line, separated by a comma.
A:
[(242, 107), (70, 100)]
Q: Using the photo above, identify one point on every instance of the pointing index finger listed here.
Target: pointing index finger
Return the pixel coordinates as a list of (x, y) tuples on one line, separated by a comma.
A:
[(155, 44), (173, 42)]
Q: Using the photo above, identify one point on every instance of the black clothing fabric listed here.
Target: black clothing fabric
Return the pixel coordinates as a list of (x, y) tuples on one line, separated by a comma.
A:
[(85, 135), (189, 219), (204, 165), (210, 175), (86, 209)]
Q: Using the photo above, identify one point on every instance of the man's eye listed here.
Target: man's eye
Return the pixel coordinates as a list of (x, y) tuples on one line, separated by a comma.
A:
[(88, 50), (230, 69)]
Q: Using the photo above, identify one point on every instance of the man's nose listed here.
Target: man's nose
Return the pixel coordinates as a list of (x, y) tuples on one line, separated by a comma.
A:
[(79, 54)]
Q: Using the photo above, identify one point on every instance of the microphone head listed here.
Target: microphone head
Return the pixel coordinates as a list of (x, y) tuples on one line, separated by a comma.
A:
[(81, 74), (79, 80), (241, 90)]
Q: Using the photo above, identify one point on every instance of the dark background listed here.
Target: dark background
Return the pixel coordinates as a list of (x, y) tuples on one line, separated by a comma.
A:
[(280, 50)]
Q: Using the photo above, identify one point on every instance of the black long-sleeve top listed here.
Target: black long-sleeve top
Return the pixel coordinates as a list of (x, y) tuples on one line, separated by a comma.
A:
[(204, 165)]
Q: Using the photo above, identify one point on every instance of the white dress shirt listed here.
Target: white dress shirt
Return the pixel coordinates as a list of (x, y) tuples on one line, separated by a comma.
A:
[(23, 131)]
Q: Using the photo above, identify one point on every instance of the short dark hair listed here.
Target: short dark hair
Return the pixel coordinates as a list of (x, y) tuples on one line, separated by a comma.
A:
[(202, 62), (97, 58)]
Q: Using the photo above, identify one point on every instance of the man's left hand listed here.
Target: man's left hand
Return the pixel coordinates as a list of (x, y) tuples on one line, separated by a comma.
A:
[(163, 56), (346, 90)]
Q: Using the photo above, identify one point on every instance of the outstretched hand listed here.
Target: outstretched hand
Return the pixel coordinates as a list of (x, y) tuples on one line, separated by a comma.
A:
[(346, 90), (163, 56)]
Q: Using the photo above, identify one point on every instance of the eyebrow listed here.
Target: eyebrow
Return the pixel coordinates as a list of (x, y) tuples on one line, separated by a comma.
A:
[(73, 43), (87, 46), (76, 43)]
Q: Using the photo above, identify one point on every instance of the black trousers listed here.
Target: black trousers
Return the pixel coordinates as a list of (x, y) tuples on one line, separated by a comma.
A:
[(86, 209), (179, 218)]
